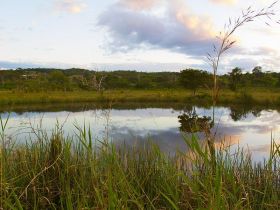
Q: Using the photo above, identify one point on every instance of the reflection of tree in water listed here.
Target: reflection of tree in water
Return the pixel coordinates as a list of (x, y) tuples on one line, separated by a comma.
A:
[(190, 122), (240, 112)]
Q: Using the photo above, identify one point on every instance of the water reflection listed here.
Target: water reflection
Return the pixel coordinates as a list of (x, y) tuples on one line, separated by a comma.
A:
[(240, 112), (190, 122)]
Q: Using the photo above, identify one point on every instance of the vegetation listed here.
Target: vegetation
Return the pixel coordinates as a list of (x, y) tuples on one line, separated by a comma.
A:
[(226, 41), (235, 77), (55, 172), (46, 80), (43, 86), (34, 80), (79, 172), (12, 101), (193, 79)]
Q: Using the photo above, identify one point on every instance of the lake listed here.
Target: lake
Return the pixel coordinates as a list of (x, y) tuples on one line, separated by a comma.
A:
[(248, 127)]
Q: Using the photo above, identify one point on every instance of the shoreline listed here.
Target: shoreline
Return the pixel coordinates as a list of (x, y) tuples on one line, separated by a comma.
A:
[(203, 97)]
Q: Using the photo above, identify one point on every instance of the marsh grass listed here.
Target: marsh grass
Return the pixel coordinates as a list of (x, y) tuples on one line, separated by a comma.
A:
[(57, 172), (259, 96)]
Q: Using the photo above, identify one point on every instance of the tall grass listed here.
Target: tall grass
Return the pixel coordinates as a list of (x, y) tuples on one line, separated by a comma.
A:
[(259, 96), (58, 172)]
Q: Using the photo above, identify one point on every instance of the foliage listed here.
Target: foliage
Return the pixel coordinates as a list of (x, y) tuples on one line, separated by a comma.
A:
[(193, 79), (235, 76), (257, 70), (45, 80), (56, 172), (58, 80), (29, 80)]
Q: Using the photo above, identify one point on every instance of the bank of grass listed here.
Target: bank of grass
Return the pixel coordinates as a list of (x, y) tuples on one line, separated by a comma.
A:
[(259, 96), (74, 173)]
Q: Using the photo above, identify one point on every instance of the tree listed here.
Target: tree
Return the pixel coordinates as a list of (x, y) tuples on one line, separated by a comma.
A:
[(235, 76), (257, 71), (2, 78), (58, 80), (193, 79)]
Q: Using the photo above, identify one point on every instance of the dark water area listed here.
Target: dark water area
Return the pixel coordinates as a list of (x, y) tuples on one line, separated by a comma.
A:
[(163, 124)]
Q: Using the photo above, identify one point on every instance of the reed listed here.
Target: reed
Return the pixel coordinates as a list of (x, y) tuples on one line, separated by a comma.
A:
[(259, 96)]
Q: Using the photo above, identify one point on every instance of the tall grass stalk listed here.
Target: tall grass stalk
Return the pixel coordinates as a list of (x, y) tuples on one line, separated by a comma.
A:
[(226, 40)]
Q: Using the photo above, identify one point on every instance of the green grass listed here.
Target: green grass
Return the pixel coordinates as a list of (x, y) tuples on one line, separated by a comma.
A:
[(74, 173), (257, 96)]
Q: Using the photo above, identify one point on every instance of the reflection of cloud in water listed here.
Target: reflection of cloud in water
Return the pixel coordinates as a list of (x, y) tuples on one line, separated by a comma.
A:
[(161, 125), (168, 140), (251, 131), (267, 121), (227, 140), (262, 148)]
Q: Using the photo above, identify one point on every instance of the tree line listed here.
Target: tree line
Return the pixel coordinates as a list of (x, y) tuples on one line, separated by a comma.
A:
[(44, 79)]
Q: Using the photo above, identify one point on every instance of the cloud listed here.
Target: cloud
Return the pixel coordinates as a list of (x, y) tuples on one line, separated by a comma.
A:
[(70, 6), (199, 25), (263, 51), (140, 4), (267, 57), (30, 64), (226, 2), (14, 65), (177, 30), (154, 67), (246, 63)]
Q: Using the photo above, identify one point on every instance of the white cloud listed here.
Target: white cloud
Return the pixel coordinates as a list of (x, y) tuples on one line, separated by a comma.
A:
[(70, 6), (177, 30), (140, 4), (226, 2)]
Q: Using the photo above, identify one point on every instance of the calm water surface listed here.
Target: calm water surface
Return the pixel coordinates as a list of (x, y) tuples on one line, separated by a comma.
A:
[(252, 129)]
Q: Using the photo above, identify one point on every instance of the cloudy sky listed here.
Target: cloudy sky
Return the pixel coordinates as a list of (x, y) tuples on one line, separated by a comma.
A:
[(144, 35)]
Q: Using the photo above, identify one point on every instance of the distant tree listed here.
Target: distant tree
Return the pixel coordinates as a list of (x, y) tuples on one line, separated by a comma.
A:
[(58, 80), (235, 77), (257, 71), (193, 79), (2, 78), (97, 81)]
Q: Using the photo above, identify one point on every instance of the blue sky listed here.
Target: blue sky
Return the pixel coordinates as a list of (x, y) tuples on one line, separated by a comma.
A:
[(144, 35)]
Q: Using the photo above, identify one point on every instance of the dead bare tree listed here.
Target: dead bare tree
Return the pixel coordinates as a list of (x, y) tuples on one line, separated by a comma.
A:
[(98, 81), (226, 40)]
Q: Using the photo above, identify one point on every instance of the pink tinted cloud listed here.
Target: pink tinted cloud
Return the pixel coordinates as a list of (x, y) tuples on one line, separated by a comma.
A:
[(201, 26), (140, 4), (226, 2), (70, 6), (177, 30)]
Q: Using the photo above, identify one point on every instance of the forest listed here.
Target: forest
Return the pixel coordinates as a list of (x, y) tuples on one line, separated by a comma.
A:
[(47, 79)]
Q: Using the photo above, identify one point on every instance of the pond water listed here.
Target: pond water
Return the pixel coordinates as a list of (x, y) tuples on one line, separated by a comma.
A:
[(252, 128)]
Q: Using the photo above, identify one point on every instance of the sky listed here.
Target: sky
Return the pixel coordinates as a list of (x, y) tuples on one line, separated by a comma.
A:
[(142, 35)]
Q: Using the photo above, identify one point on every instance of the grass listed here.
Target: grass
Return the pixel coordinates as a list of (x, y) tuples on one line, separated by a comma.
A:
[(55, 172), (257, 96)]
